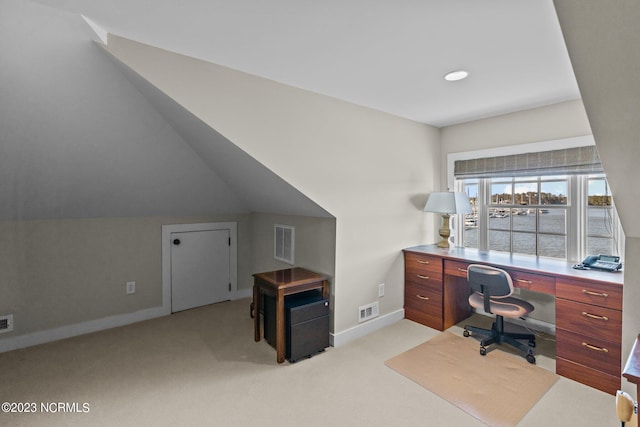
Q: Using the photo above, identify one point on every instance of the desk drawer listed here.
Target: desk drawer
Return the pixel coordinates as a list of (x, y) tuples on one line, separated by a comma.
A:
[(533, 282), (456, 268), (424, 318), (602, 294), (421, 275), (423, 298), (591, 377), (592, 352), (423, 263), (590, 320), (424, 304)]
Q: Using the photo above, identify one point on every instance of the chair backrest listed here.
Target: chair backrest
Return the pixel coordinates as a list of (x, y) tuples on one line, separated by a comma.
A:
[(489, 281)]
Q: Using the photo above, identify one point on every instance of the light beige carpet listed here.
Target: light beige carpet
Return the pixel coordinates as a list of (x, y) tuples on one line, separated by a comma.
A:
[(497, 389)]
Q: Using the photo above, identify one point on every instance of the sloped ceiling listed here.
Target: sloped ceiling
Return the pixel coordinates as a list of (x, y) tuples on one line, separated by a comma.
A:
[(77, 139), (386, 55), (603, 42), (254, 184)]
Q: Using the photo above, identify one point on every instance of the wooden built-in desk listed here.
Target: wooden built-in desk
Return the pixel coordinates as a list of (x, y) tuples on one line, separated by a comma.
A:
[(588, 304), (278, 284)]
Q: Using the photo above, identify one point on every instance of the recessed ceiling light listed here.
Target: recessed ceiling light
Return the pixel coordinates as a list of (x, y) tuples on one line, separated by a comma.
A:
[(454, 76)]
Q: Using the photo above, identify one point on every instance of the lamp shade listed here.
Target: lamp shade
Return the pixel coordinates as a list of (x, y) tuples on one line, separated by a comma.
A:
[(447, 202)]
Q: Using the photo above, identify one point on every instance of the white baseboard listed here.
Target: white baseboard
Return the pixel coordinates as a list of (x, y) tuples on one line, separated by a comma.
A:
[(341, 338), (41, 337), (50, 335)]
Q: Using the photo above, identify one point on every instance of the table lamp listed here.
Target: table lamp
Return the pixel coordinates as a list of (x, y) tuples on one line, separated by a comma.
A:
[(447, 203)]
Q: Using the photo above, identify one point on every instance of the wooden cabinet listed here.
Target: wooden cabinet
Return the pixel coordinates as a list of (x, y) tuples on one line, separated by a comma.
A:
[(428, 299), (423, 299), (589, 333), (588, 304)]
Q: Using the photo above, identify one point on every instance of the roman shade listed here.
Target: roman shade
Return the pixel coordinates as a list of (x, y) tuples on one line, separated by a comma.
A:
[(569, 161)]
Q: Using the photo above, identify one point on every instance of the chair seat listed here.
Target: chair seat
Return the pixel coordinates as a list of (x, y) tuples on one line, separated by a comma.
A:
[(506, 307)]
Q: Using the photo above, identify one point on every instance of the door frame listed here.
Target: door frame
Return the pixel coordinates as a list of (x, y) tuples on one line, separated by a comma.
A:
[(166, 255)]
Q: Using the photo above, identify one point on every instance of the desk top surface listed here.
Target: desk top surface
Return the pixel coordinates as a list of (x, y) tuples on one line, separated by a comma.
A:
[(528, 263), (290, 277)]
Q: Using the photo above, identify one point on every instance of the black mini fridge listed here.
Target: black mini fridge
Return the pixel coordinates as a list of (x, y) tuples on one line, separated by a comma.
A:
[(306, 324)]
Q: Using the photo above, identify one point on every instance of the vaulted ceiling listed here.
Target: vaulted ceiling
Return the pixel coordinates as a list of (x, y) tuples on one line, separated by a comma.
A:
[(387, 55), (82, 137), (67, 98)]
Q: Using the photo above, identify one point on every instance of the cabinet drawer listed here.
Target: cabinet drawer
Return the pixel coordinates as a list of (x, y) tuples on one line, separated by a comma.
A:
[(591, 377), (456, 268), (602, 294), (423, 304), (423, 263), (423, 298), (595, 353), (589, 320), (424, 318), (533, 282), (420, 275)]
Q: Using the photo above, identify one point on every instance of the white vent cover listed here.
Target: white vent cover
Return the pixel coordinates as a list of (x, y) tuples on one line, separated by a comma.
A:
[(367, 312), (6, 323), (284, 243)]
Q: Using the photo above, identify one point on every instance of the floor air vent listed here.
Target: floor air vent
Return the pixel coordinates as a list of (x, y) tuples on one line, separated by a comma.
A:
[(368, 311)]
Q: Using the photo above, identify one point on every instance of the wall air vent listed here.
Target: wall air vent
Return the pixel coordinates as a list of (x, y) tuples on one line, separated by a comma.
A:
[(284, 243), (6, 323), (367, 312)]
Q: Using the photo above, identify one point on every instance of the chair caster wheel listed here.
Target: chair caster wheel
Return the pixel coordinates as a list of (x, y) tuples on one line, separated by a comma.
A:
[(531, 359), (483, 351), (465, 333), (532, 343)]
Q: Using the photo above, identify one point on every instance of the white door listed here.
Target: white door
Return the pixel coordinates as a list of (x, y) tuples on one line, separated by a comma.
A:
[(200, 268)]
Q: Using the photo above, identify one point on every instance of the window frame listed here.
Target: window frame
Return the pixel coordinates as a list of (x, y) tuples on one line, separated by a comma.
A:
[(514, 207), (577, 205)]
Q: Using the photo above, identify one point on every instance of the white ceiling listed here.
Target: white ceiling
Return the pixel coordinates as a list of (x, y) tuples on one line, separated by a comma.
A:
[(389, 55)]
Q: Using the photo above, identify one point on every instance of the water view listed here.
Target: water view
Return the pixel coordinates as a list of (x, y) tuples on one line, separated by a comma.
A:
[(517, 227)]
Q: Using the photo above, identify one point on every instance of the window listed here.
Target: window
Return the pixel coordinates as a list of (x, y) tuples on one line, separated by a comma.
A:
[(470, 235), (540, 215), (554, 203), (600, 235)]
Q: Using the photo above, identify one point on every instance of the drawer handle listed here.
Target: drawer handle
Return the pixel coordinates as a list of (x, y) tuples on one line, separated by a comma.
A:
[(596, 348), (595, 294), (422, 262), (423, 298), (528, 282), (464, 270), (594, 316), (423, 277)]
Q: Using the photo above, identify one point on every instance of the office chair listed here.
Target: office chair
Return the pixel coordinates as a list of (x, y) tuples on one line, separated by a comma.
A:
[(491, 289)]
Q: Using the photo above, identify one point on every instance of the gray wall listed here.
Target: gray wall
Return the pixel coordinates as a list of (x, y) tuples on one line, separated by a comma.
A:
[(369, 170), (90, 170), (315, 243), (57, 273)]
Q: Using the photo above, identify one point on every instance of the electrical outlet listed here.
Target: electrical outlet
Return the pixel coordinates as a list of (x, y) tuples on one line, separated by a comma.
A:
[(380, 290), (131, 288)]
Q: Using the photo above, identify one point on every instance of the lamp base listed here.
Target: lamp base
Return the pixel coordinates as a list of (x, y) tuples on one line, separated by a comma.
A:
[(445, 232)]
